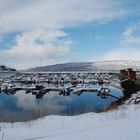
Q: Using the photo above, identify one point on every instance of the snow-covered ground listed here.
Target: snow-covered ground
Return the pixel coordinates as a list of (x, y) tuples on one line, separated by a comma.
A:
[(121, 124), (134, 99)]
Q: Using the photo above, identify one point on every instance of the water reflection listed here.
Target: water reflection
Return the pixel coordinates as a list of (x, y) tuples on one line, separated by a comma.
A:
[(23, 107)]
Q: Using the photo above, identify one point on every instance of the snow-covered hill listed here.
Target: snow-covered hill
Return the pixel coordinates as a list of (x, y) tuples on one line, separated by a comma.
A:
[(121, 124), (90, 66), (6, 69)]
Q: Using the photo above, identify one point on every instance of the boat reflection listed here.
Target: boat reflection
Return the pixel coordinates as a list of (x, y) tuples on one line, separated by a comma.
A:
[(25, 105)]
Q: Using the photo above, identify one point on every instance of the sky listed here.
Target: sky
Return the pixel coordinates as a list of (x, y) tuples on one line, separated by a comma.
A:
[(45, 32)]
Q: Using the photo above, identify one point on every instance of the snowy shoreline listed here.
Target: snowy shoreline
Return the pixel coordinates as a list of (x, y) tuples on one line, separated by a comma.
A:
[(119, 124)]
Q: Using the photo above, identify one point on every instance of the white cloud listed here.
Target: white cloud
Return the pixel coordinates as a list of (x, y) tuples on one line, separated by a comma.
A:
[(49, 46), (42, 22), (129, 45), (125, 53), (32, 14), (131, 36)]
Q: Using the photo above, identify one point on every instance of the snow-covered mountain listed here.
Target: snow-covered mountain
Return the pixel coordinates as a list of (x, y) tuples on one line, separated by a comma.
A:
[(6, 69), (90, 66)]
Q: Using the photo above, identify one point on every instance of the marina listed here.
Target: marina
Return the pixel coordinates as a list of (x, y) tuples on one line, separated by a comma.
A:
[(64, 83), (34, 95), (69, 69)]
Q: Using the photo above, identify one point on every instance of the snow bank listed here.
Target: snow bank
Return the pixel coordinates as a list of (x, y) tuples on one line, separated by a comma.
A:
[(121, 124), (134, 99)]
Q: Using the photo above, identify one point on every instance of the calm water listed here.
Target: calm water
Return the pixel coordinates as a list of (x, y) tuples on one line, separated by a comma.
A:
[(24, 107), (6, 74)]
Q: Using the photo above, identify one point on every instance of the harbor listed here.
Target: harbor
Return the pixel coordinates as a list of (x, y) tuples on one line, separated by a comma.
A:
[(63, 83), (31, 96)]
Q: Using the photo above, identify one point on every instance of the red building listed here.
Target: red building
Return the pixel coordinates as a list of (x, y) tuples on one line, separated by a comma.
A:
[(128, 73)]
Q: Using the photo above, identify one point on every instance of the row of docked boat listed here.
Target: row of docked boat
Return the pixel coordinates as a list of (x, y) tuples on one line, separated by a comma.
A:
[(39, 84)]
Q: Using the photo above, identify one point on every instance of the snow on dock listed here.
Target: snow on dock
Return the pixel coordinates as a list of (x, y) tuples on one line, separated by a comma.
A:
[(41, 83)]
